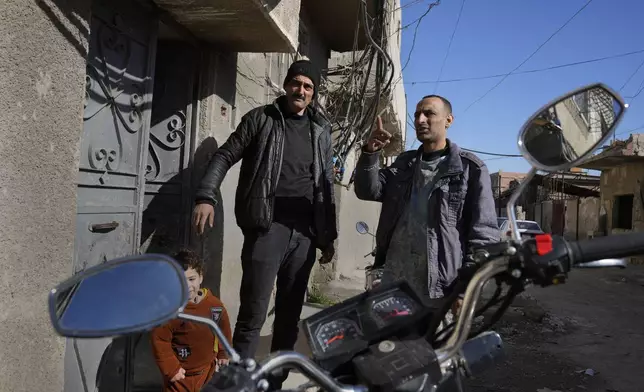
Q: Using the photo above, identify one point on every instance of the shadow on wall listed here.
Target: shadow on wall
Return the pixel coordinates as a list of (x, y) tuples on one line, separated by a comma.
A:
[(211, 244), (167, 222), (70, 10)]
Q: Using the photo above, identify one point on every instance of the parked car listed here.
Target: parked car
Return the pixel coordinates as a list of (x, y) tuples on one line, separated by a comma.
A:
[(526, 228)]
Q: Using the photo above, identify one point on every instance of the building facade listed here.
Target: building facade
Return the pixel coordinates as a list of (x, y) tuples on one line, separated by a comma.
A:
[(622, 187), (112, 110)]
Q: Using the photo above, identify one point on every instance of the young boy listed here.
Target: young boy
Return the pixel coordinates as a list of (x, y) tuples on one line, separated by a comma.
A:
[(188, 353)]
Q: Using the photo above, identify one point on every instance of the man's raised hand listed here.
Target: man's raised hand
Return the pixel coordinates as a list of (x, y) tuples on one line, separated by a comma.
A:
[(378, 139)]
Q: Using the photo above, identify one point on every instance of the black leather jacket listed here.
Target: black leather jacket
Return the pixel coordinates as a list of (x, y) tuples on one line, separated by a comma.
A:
[(259, 142)]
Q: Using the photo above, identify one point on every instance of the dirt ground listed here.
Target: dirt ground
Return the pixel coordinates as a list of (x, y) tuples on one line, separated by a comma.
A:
[(586, 335)]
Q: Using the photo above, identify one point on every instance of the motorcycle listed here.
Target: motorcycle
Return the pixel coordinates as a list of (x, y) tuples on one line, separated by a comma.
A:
[(386, 338)]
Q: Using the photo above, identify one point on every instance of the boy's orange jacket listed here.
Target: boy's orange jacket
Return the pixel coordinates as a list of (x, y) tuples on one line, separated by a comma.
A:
[(190, 345)]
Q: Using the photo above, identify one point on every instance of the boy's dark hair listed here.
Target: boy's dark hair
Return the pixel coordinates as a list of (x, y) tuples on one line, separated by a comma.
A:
[(448, 104), (188, 258)]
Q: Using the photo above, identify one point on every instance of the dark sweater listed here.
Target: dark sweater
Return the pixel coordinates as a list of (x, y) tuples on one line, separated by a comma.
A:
[(294, 193)]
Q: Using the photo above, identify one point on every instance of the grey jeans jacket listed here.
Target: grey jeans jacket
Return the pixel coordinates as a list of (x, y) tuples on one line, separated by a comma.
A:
[(461, 196)]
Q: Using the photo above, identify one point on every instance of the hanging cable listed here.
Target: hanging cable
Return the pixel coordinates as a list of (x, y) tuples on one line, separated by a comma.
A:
[(417, 22), (449, 46), (632, 75), (529, 57), (566, 65)]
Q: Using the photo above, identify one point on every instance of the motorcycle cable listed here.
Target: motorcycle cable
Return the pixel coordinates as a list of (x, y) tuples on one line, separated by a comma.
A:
[(508, 299), (495, 299), (465, 274)]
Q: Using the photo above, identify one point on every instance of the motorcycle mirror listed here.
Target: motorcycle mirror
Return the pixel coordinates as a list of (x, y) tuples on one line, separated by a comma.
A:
[(152, 290), (568, 129), (564, 132), (362, 227)]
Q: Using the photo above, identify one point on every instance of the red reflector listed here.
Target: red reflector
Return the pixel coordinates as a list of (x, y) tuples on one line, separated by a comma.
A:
[(544, 244), (508, 233)]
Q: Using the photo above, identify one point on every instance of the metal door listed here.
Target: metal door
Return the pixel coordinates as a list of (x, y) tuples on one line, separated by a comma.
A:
[(113, 154), (167, 203)]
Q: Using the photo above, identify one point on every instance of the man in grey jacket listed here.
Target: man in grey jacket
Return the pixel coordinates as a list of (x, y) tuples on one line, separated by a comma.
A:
[(437, 202)]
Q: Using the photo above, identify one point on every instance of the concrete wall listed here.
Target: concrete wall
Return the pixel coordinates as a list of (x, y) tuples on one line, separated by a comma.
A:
[(352, 246), (239, 25), (623, 180), (220, 245), (579, 223), (42, 80), (576, 131), (582, 218), (588, 220), (283, 14), (398, 96)]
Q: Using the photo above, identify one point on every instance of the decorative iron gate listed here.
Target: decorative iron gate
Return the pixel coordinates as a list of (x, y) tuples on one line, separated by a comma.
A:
[(119, 81)]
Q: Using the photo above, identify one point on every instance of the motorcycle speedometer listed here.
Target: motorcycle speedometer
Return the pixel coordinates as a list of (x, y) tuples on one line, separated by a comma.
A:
[(392, 308), (335, 333)]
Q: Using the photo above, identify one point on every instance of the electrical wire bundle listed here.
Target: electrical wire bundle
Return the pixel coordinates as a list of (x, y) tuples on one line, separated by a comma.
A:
[(353, 102)]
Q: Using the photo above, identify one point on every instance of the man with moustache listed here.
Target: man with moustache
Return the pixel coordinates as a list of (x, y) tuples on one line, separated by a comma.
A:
[(284, 205), (437, 202)]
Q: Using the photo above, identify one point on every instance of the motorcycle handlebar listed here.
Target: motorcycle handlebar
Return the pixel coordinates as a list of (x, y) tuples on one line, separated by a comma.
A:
[(305, 365), (450, 355), (610, 247)]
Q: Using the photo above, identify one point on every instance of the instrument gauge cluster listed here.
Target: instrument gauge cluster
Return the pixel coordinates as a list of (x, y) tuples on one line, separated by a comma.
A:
[(345, 329)]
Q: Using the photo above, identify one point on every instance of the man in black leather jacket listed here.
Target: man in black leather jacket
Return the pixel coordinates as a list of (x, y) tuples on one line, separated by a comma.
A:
[(284, 205)]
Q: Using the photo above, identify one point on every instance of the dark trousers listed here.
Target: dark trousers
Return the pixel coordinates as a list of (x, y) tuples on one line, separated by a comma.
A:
[(282, 252)]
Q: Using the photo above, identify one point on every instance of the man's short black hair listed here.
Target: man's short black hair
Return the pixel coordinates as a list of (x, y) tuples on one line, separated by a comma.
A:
[(447, 103)]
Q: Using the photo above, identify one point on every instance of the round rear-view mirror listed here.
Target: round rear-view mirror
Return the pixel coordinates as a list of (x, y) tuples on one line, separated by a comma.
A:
[(122, 296), (362, 227), (567, 130)]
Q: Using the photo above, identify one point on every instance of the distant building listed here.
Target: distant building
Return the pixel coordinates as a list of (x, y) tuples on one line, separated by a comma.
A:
[(501, 182)]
